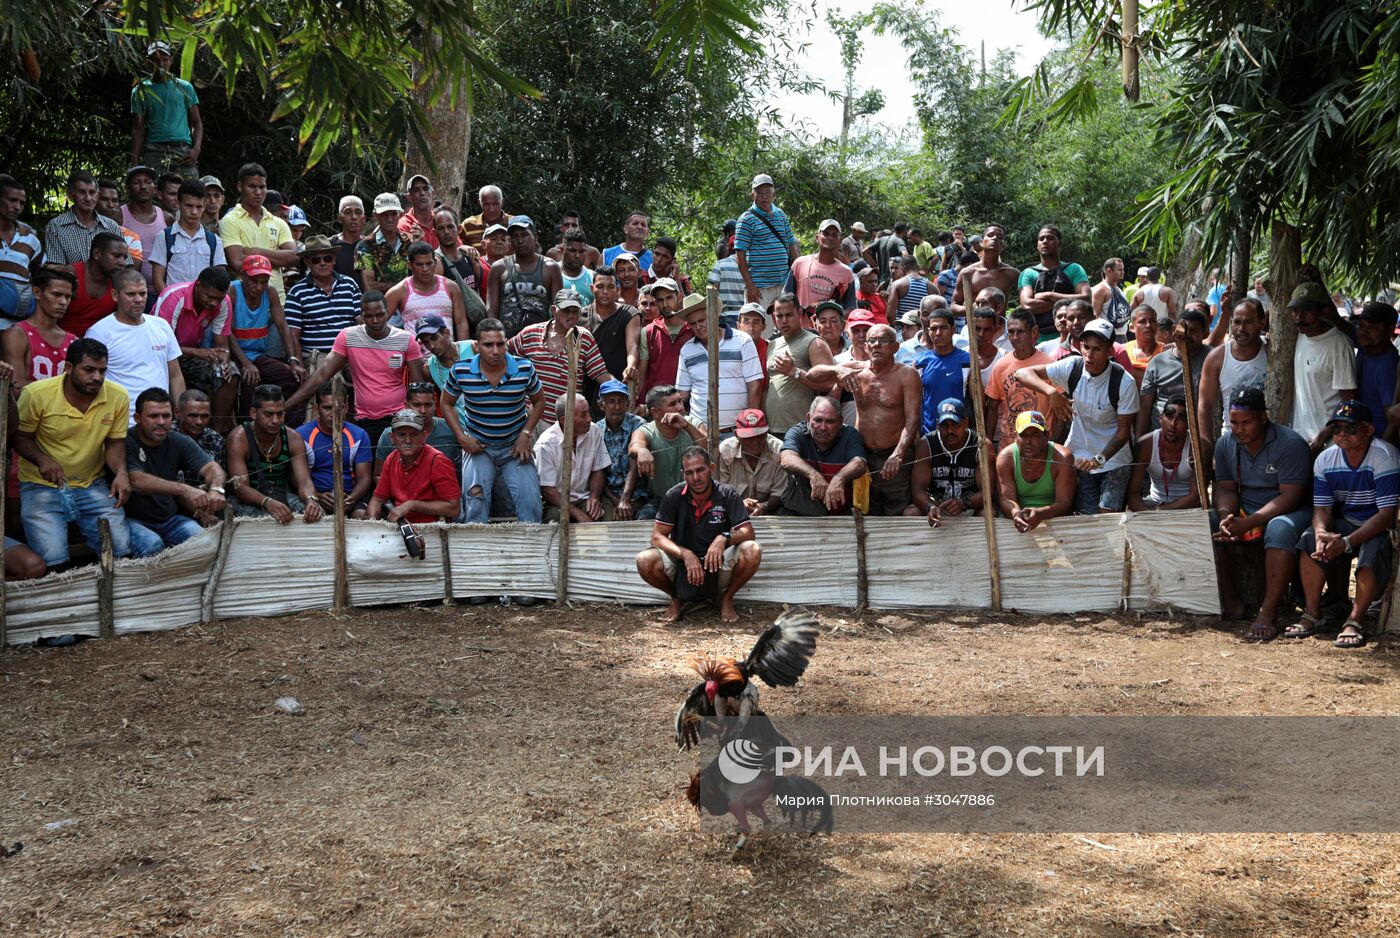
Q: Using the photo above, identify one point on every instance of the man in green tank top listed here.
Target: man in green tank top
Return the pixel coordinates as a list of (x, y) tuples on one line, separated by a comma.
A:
[(657, 445), (1036, 477)]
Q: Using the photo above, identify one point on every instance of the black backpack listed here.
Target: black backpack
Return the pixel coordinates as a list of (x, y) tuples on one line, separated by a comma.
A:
[(1114, 384), (1053, 280)]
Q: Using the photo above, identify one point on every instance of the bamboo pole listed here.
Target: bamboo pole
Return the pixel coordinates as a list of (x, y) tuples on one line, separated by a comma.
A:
[(448, 598), (206, 600), (566, 466), (1200, 472), (984, 463), (1127, 570), (342, 572), (712, 413), (105, 572), (862, 574), (7, 456), (1131, 84)]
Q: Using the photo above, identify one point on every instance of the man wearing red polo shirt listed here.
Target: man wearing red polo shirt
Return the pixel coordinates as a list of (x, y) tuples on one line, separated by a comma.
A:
[(419, 481)]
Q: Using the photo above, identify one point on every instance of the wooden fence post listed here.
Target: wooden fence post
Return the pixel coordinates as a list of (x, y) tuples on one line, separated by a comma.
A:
[(448, 598), (712, 411), (5, 455), (566, 466), (862, 571), (220, 561), (106, 569), (984, 462), (342, 574)]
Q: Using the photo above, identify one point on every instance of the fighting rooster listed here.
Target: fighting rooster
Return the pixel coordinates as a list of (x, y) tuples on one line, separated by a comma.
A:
[(726, 689), (742, 777)]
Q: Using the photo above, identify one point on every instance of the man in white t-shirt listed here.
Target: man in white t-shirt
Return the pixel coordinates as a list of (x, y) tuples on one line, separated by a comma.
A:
[(588, 473), (1324, 366), (1078, 388), (740, 372), (142, 351)]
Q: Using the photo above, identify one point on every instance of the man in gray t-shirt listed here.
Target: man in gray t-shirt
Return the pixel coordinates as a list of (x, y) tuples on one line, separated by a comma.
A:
[(1161, 381), (1262, 476)]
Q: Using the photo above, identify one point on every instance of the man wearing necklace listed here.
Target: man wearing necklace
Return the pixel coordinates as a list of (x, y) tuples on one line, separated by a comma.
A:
[(269, 464), (1164, 456), (1356, 487)]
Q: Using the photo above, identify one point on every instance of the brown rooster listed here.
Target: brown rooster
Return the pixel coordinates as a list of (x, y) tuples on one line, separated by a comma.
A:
[(726, 689)]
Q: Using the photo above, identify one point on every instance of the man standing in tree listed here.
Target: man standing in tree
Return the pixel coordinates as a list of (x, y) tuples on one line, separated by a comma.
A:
[(1050, 281), (166, 129)]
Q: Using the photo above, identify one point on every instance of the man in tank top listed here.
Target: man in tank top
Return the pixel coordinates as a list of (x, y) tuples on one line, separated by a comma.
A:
[(1035, 477), (425, 293), (519, 288), (1241, 362), (38, 347)]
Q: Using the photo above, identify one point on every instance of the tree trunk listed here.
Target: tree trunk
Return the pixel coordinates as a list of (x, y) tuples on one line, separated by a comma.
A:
[(1239, 264), (449, 137), (1186, 273), (1285, 257)]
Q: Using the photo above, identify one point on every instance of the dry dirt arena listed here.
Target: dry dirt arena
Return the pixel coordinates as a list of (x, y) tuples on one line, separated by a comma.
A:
[(510, 771)]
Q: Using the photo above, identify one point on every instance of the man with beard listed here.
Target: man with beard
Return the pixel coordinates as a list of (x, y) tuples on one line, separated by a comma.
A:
[(165, 468)]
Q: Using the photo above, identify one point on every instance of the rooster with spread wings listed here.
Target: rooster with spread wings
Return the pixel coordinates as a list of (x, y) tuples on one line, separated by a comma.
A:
[(727, 689)]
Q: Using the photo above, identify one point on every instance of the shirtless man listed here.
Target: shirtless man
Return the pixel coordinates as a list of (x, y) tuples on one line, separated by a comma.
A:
[(889, 409), (593, 258), (990, 271)]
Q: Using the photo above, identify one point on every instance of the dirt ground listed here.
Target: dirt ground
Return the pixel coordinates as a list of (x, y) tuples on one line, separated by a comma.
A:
[(510, 771)]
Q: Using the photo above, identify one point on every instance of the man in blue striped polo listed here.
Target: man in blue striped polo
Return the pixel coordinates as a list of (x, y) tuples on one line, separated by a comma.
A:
[(764, 245), (502, 400)]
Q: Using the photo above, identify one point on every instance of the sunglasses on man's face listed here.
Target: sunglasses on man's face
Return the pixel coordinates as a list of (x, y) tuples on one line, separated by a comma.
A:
[(322, 259), (1346, 429)]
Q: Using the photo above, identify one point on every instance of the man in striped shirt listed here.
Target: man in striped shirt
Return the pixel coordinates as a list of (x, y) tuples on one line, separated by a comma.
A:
[(1356, 488), (764, 245), (543, 344), (502, 400), (740, 372), (19, 248), (323, 302)]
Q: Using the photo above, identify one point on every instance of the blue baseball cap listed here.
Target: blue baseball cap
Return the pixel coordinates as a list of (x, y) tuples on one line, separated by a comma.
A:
[(430, 323), (613, 387), (1352, 412), (520, 221), (951, 409)]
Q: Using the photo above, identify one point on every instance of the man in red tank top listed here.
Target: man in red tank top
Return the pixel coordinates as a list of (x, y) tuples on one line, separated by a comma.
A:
[(93, 298), (37, 348)]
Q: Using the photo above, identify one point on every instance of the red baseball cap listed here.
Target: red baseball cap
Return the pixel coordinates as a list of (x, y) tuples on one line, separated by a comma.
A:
[(861, 317), (750, 423), (255, 265)]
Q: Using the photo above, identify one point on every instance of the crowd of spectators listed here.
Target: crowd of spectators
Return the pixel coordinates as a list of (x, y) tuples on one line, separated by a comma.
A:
[(173, 353)]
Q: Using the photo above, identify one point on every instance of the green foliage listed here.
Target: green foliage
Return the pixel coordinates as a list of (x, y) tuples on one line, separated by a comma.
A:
[(1281, 111)]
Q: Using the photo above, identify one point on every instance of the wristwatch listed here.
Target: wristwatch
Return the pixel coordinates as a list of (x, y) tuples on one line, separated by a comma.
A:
[(1346, 542), (797, 375), (1099, 458)]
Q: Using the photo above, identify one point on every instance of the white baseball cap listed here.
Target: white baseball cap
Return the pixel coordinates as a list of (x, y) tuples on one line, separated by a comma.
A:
[(762, 179)]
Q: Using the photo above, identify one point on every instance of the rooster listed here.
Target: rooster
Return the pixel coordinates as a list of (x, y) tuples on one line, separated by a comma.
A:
[(710, 790), (726, 689)]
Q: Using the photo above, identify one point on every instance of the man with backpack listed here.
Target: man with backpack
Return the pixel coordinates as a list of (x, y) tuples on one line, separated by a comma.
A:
[(1099, 399), (1050, 281), (185, 248)]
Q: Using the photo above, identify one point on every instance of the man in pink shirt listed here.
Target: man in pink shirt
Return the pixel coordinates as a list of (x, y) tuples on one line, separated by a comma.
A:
[(818, 277), (192, 309), (383, 361)]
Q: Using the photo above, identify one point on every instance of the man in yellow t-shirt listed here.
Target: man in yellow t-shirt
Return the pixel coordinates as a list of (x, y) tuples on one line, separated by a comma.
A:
[(71, 427), (250, 229)]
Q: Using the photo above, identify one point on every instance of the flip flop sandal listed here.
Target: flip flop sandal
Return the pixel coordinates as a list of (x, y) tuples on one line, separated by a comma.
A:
[(1350, 640), (1308, 625)]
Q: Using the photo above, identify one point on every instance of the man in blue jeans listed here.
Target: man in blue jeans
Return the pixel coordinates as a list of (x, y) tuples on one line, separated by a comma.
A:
[(165, 468), (502, 401), (71, 427)]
